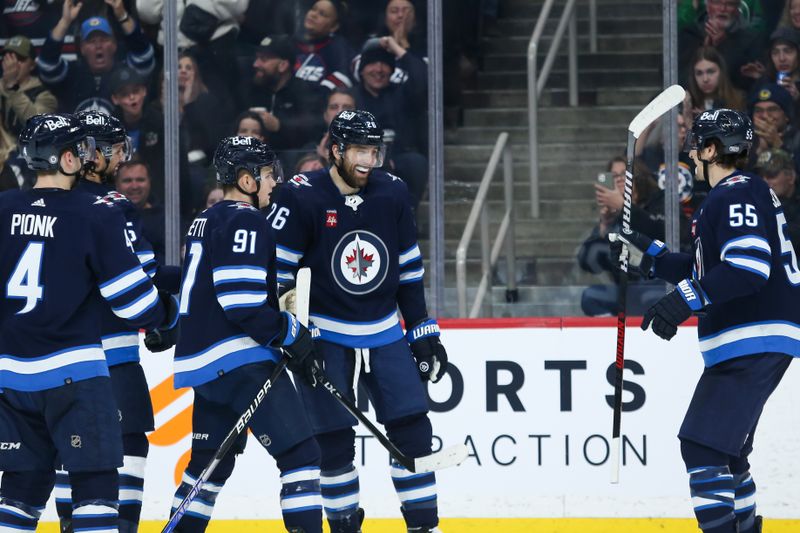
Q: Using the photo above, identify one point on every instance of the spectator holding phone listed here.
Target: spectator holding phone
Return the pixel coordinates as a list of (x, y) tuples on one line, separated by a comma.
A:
[(594, 256)]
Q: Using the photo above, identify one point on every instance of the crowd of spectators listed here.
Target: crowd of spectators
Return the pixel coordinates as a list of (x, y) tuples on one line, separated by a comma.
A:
[(279, 70)]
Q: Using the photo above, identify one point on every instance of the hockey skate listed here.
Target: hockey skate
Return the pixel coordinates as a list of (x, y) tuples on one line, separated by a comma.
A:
[(424, 530), (351, 524)]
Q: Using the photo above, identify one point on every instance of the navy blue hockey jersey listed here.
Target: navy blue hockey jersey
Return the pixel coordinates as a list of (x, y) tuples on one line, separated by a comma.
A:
[(363, 253), (61, 248), (748, 271), (120, 341), (228, 300)]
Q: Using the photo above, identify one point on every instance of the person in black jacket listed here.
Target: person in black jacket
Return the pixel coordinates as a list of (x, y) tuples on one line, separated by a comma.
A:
[(83, 85), (647, 217), (395, 106), (288, 106)]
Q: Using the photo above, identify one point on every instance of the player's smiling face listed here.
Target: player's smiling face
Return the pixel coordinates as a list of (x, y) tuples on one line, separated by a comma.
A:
[(357, 163)]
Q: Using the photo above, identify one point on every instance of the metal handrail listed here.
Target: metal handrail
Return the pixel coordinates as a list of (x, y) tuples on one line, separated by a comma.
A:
[(537, 82), (505, 234)]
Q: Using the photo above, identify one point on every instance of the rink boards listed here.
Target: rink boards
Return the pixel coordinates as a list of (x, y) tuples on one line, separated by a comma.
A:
[(531, 399)]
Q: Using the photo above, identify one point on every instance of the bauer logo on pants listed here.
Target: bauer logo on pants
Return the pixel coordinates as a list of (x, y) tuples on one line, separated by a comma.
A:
[(360, 262)]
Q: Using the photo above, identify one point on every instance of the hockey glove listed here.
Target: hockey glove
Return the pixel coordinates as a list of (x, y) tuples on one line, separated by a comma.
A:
[(428, 351), (165, 336), (642, 250), (674, 309), (295, 340)]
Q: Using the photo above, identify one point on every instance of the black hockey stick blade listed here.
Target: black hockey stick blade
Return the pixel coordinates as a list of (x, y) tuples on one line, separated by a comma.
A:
[(238, 429)]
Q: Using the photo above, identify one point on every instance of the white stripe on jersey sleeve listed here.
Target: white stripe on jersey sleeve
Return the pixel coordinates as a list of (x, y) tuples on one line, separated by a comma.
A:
[(229, 300), (748, 242), (414, 275), (139, 306), (287, 255), (757, 266), (233, 274), (412, 254), (122, 283)]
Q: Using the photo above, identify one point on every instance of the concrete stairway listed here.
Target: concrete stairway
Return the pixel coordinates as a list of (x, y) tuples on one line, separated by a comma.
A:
[(575, 144)]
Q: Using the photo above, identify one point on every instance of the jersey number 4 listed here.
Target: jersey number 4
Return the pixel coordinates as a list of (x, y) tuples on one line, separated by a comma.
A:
[(24, 281)]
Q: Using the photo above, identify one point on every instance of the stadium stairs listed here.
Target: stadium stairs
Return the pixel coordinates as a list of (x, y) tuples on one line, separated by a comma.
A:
[(575, 144)]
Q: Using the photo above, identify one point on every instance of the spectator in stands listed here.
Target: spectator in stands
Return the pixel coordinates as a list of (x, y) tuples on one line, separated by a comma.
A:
[(689, 10), (323, 56), (720, 26), (288, 106), (791, 14), (84, 84), (339, 99), (209, 29), (133, 180), (203, 121), (34, 20), (22, 95), (784, 67), (594, 256), (309, 163), (400, 23), (395, 107), (772, 111), (145, 124), (710, 87), (778, 169), (249, 124)]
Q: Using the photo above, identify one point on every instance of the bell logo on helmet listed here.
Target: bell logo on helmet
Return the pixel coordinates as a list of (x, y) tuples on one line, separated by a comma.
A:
[(708, 115), (241, 141), (347, 115), (95, 120), (54, 124)]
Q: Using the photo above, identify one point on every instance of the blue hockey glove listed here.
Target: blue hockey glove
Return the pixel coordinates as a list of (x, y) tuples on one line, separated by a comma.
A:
[(674, 309), (165, 336), (296, 341), (642, 250), (428, 351)]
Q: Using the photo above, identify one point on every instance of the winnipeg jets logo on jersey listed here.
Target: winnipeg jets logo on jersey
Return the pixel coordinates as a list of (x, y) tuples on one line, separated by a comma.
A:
[(242, 205), (360, 262)]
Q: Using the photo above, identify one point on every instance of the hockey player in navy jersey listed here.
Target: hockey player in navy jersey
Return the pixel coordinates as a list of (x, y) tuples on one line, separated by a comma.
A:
[(353, 225), (64, 258), (744, 282), (120, 340), (231, 332)]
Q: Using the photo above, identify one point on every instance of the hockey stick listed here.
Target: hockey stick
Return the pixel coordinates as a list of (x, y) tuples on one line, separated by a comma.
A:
[(669, 98), (241, 424), (452, 456)]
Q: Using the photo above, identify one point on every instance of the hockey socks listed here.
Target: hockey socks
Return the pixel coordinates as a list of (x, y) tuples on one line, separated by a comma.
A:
[(745, 502), (301, 503), (340, 497), (131, 491), (95, 501), (417, 493), (23, 496), (199, 511), (712, 490)]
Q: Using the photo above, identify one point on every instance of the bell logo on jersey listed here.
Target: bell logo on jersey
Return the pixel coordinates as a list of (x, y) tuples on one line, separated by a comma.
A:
[(360, 262), (331, 218)]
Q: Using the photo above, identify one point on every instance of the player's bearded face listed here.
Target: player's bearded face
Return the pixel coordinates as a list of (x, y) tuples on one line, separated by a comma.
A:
[(357, 163)]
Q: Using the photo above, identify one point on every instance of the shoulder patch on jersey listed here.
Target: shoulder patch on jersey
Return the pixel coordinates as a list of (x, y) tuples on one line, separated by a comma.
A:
[(115, 196), (735, 180), (242, 205), (394, 178), (103, 200), (299, 180)]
